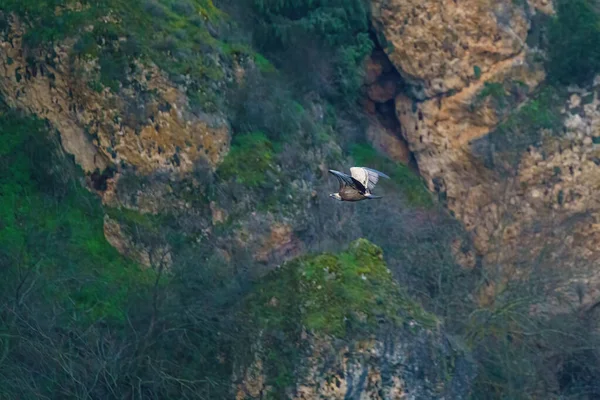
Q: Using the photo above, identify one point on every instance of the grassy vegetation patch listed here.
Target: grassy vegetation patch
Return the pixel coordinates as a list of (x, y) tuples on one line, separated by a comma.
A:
[(52, 229), (336, 294), (522, 127), (502, 96), (241, 49), (132, 218), (250, 157), (494, 90), (322, 41), (409, 183), (573, 37), (541, 112)]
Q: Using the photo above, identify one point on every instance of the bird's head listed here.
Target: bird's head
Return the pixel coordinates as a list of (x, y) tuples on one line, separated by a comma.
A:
[(336, 196)]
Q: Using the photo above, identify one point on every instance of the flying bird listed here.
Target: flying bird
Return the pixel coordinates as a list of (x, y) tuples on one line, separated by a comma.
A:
[(358, 185)]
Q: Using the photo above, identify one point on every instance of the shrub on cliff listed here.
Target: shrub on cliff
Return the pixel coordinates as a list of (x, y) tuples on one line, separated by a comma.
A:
[(574, 34), (251, 156), (332, 33)]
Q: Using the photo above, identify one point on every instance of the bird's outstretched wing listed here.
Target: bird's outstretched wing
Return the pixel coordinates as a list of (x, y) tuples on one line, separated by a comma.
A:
[(347, 180), (368, 177)]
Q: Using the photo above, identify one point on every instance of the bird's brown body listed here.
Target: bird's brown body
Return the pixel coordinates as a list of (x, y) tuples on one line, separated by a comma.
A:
[(349, 194)]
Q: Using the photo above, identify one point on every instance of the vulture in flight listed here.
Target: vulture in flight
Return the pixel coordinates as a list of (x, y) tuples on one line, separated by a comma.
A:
[(358, 185)]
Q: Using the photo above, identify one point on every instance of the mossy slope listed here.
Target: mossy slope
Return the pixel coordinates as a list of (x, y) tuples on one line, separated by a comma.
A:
[(51, 228), (250, 157), (336, 294), (309, 309)]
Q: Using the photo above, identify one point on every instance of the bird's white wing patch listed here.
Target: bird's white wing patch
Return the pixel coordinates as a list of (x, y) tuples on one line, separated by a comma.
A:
[(368, 178)]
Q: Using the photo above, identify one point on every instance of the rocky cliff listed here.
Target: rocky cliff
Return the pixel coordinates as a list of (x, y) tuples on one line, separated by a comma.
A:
[(148, 144), (147, 125), (475, 89), (143, 123), (212, 162), (141, 126), (447, 76)]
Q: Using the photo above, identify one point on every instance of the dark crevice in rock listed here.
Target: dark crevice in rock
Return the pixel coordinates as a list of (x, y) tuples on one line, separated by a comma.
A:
[(383, 83), (99, 179), (537, 33)]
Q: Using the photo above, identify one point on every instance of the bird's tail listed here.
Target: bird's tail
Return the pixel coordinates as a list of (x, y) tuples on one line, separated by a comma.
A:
[(371, 196)]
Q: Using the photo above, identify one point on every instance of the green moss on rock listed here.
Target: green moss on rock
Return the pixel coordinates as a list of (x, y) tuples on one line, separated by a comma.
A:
[(540, 112), (336, 294), (312, 307), (503, 96), (250, 157), (179, 36), (53, 228)]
